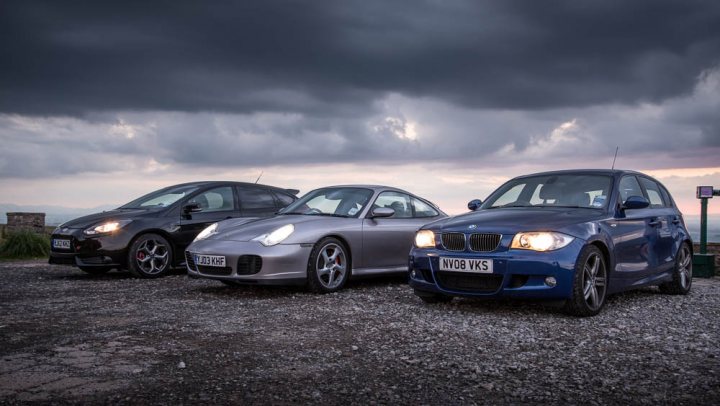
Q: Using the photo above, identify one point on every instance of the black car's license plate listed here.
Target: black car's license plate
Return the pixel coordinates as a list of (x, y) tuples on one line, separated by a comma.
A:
[(61, 244)]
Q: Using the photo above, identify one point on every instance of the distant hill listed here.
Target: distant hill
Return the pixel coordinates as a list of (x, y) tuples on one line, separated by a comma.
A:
[(54, 215)]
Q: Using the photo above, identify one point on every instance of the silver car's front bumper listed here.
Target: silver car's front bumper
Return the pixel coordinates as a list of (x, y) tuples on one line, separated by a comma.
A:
[(251, 262)]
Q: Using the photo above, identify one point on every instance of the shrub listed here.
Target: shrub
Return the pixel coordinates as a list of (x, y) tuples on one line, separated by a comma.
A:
[(25, 244)]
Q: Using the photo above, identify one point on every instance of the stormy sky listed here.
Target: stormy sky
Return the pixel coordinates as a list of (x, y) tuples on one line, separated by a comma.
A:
[(101, 101)]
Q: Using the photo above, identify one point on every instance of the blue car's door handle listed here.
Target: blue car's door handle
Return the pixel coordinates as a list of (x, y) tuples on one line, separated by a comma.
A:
[(655, 222), (676, 220)]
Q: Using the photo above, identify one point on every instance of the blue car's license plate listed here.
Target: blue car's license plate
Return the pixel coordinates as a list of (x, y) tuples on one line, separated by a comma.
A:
[(466, 265)]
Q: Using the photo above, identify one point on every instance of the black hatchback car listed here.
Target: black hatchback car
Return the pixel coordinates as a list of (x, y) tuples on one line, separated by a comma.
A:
[(148, 235)]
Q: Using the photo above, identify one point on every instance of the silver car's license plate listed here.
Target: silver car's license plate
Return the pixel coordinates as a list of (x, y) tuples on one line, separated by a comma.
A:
[(466, 265), (61, 244), (210, 260)]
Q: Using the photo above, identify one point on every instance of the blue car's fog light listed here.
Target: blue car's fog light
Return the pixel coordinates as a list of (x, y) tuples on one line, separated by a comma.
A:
[(551, 281)]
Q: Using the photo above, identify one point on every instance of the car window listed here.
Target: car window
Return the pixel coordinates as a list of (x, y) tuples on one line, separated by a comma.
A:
[(666, 196), (161, 198), (423, 209), (284, 199), (562, 190), (218, 199), (334, 201), (400, 202), (255, 198), (653, 192), (629, 186)]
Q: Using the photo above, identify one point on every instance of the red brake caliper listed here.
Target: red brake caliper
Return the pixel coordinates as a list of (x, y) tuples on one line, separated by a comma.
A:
[(141, 255)]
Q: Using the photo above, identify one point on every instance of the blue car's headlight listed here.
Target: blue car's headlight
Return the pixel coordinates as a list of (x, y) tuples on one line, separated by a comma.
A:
[(541, 241), (425, 239), (106, 227), (276, 236)]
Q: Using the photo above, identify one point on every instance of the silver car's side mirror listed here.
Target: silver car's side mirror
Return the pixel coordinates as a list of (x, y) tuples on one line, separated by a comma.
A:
[(382, 212)]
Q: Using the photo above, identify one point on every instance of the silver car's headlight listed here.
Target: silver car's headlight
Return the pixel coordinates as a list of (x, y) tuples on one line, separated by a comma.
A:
[(207, 232), (541, 241), (106, 227), (276, 236), (425, 239)]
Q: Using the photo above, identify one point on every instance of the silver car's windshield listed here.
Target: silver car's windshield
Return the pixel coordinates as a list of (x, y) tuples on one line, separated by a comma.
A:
[(161, 198), (335, 201), (567, 190)]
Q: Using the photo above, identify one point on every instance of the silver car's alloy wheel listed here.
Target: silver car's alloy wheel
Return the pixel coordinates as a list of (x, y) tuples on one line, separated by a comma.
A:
[(594, 281), (331, 266), (151, 256)]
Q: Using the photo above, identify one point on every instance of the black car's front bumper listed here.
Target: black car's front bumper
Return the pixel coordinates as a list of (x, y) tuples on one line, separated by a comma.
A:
[(105, 251)]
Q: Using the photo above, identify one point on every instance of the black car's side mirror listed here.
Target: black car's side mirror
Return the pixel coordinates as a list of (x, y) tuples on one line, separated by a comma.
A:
[(192, 208), (635, 202), (474, 204), (382, 212)]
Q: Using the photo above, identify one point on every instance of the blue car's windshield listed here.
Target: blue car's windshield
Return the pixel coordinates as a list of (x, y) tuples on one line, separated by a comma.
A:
[(161, 198), (566, 190), (335, 201)]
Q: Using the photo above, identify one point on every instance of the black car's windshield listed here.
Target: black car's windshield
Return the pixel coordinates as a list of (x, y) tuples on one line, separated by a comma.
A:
[(336, 202), (161, 198), (566, 190)]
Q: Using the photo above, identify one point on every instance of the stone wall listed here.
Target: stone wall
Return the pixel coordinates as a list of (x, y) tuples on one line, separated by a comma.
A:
[(26, 221), (712, 248)]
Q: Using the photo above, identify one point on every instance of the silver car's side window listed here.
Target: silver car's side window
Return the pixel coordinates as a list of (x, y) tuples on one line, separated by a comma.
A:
[(399, 202)]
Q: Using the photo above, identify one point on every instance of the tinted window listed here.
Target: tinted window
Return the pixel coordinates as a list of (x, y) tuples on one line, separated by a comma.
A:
[(423, 209), (284, 199), (255, 198), (566, 190), (341, 201), (399, 202), (218, 199), (653, 192), (629, 186)]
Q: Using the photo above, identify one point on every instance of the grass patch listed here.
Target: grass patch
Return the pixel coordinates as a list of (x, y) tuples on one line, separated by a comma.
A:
[(24, 245)]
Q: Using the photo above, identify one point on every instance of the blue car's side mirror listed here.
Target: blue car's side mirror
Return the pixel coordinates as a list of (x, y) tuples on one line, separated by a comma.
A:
[(635, 202), (474, 204)]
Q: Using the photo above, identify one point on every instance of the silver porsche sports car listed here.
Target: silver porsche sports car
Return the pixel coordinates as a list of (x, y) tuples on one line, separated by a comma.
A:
[(319, 240)]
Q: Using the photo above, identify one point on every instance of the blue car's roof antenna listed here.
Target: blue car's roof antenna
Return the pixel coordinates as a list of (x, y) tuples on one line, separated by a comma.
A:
[(616, 151)]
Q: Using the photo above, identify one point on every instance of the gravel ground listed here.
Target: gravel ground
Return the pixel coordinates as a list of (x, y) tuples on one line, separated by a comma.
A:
[(67, 337)]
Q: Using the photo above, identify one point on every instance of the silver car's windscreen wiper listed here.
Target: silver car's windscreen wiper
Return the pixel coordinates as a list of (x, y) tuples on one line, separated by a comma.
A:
[(328, 214)]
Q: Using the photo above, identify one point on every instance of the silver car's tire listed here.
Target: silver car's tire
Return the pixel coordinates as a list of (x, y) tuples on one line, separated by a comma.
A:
[(150, 256), (682, 274), (589, 284), (329, 266)]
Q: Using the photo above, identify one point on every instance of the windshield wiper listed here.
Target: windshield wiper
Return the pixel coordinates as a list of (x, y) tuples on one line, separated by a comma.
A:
[(328, 215), (289, 212)]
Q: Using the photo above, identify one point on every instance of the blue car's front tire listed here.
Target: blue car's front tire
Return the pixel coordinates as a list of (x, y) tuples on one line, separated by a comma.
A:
[(589, 283)]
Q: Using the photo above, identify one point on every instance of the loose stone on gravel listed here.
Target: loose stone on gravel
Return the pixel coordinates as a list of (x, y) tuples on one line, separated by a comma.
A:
[(68, 337)]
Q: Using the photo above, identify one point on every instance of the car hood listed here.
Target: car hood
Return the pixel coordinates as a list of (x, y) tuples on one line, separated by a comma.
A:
[(239, 230), (517, 219), (91, 219)]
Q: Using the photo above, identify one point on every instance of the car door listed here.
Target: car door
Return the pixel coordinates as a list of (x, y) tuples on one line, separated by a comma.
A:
[(216, 204), (387, 241), (663, 220), (634, 237), (256, 201)]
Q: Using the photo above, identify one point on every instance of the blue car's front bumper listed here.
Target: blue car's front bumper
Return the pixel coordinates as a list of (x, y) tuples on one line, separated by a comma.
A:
[(516, 273)]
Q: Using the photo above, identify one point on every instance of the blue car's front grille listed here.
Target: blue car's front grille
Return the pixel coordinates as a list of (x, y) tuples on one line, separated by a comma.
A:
[(484, 242), (478, 242), (453, 241)]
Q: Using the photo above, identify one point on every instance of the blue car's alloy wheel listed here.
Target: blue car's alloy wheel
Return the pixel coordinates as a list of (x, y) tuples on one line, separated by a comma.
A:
[(682, 274), (590, 283)]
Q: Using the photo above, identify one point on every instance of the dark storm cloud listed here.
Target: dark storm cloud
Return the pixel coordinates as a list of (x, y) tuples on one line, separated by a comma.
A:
[(335, 58)]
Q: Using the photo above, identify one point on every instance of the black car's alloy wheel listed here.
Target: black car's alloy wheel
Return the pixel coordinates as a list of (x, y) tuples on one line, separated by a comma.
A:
[(682, 274), (149, 256), (329, 266), (589, 284)]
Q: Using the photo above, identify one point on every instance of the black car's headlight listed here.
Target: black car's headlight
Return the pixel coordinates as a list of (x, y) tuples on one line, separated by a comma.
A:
[(106, 227), (541, 241)]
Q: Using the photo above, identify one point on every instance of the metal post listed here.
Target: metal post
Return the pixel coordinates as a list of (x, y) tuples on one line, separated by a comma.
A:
[(703, 225)]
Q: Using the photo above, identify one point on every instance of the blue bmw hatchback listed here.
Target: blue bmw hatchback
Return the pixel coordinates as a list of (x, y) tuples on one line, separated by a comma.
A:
[(574, 235)]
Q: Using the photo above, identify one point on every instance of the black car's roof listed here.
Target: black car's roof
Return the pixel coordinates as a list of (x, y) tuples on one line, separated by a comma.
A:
[(224, 182)]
